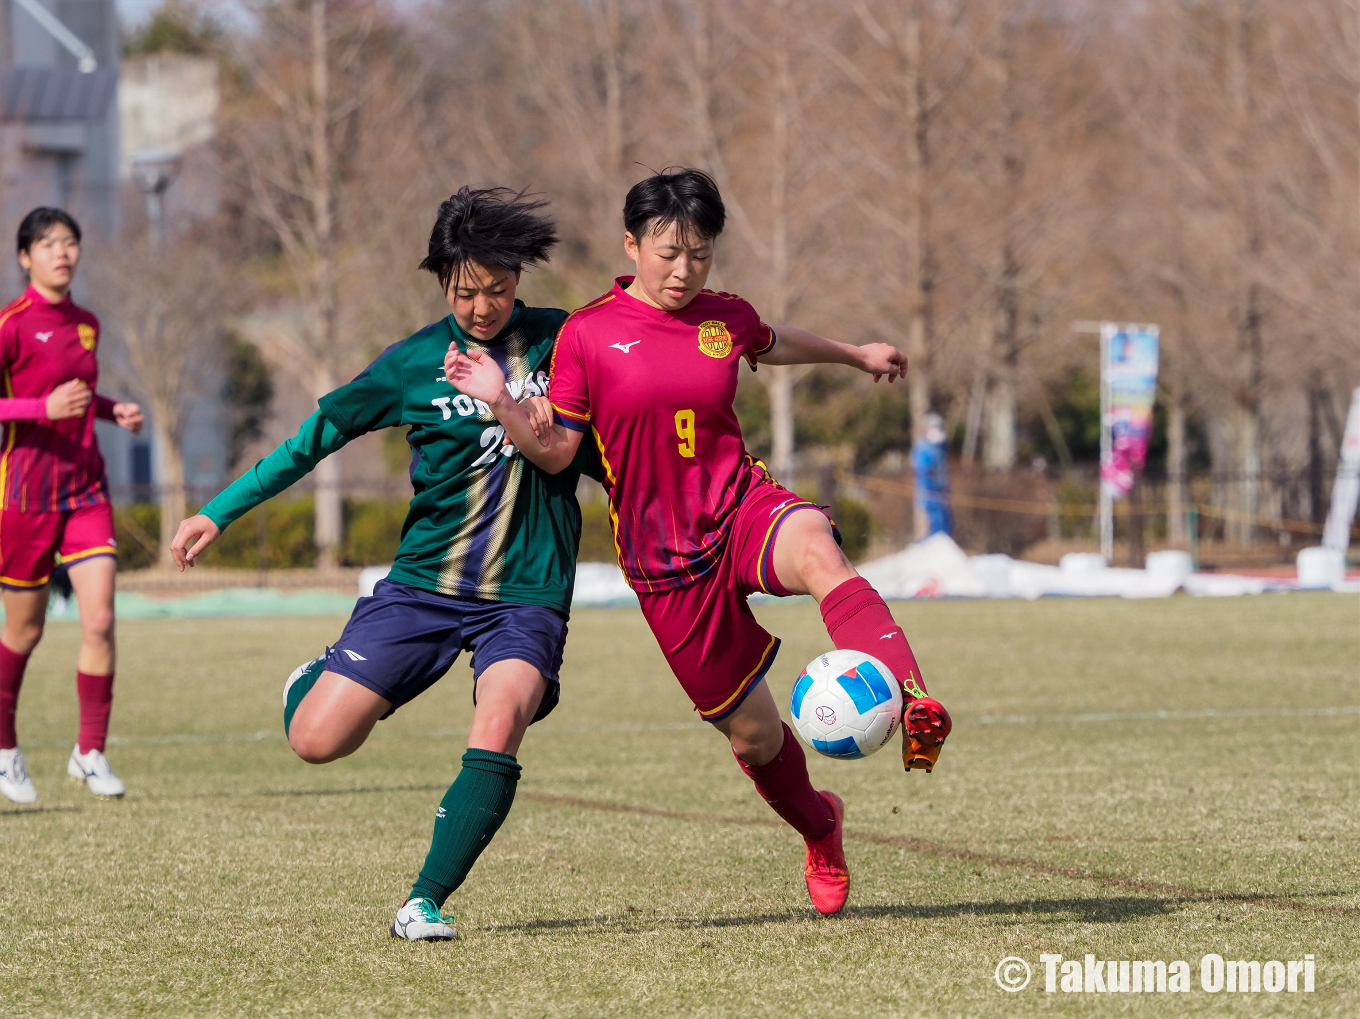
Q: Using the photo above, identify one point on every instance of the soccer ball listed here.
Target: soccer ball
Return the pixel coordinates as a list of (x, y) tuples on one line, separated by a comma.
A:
[(846, 704)]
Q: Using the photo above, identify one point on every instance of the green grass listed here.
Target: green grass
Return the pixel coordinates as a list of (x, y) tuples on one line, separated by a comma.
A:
[(640, 875)]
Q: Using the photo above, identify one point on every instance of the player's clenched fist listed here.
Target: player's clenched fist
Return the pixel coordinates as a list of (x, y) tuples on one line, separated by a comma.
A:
[(194, 536), (69, 400)]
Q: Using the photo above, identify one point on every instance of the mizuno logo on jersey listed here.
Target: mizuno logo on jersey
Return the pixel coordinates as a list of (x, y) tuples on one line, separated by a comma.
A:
[(625, 347), (354, 656), (43, 337)]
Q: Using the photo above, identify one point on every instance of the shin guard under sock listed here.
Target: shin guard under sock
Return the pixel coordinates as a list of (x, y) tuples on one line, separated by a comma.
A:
[(469, 816), (858, 620), (784, 784), (96, 701), (11, 679)]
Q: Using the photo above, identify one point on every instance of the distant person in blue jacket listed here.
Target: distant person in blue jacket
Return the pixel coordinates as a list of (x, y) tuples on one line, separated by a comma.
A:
[(930, 462)]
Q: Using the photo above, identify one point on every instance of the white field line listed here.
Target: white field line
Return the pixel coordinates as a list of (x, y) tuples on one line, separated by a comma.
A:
[(623, 730), (1164, 716)]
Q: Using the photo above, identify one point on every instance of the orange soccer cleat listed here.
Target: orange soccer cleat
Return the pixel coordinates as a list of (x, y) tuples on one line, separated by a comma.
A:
[(828, 876), (925, 724)]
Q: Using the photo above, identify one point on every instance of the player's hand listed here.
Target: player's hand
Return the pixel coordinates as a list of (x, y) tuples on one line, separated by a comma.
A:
[(879, 359), (477, 374), (69, 400), (194, 536), (538, 409), (129, 416)]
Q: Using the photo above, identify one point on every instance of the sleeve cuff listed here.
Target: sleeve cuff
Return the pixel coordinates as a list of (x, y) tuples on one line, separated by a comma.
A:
[(103, 407), (566, 422), (570, 419)]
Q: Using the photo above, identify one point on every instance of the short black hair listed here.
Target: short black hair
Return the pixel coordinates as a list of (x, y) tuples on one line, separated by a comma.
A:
[(681, 195), (42, 219), (494, 227)]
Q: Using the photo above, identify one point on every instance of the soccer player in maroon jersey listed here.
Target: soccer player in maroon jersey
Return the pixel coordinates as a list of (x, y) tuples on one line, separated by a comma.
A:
[(54, 496), (650, 369)]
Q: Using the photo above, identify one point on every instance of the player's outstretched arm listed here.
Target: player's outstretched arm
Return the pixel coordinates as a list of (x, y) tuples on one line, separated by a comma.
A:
[(317, 439), (481, 378), (798, 346)]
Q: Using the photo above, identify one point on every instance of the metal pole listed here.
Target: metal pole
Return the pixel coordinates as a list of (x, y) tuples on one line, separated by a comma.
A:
[(1106, 448)]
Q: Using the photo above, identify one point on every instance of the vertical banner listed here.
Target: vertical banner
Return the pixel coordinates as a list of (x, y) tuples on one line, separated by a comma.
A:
[(1346, 490), (1128, 375)]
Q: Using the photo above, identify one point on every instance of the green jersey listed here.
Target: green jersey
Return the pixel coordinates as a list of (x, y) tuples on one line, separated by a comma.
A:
[(484, 522)]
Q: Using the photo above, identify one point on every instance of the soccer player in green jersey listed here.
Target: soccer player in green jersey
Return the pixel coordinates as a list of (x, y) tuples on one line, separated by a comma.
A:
[(488, 550)]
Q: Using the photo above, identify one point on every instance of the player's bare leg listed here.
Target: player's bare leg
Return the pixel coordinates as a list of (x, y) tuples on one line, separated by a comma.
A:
[(807, 560), (334, 718), (24, 615), (508, 694)]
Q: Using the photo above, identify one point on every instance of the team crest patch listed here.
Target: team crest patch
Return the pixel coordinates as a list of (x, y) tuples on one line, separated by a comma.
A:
[(88, 337), (714, 339)]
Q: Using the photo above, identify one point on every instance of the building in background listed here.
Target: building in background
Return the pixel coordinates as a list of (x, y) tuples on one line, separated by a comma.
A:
[(167, 111)]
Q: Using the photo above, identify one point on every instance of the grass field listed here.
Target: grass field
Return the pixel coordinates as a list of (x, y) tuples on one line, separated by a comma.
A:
[(639, 875)]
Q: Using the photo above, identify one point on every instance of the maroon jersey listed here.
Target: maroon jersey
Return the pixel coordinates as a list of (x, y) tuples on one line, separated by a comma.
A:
[(656, 389), (48, 466)]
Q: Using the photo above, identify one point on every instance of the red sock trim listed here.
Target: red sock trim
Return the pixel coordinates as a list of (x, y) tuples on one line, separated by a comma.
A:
[(96, 701), (12, 666), (784, 784)]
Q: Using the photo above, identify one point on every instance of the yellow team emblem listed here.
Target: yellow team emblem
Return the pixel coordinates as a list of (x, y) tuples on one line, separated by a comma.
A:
[(714, 339), (88, 337)]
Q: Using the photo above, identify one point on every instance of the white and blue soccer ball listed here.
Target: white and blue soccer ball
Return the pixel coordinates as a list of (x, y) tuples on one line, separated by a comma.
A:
[(846, 704)]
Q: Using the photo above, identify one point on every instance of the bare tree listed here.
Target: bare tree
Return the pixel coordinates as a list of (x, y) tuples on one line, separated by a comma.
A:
[(167, 302), (305, 67)]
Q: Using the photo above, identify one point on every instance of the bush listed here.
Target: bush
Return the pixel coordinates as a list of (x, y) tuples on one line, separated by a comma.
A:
[(279, 535), (137, 529), (372, 531), (597, 536), (855, 524)]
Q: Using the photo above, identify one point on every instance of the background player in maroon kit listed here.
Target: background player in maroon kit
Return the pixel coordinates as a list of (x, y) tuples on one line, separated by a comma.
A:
[(54, 497), (650, 369)]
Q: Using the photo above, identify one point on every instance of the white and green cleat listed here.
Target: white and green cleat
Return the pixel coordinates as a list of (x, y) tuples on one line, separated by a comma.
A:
[(419, 920), (92, 770)]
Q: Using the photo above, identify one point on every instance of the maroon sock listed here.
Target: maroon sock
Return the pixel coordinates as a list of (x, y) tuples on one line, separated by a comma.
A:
[(783, 783), (858, 619), (11, 679), (96, 698)]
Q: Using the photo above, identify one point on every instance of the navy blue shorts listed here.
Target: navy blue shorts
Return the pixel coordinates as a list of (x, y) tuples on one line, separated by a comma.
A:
[(401, 640)]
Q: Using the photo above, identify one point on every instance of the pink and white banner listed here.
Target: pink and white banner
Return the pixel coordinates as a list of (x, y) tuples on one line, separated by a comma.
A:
[(1128, 374)]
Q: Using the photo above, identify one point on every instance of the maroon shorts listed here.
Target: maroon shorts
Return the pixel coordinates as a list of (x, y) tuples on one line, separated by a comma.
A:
[(706, 630), (30, 542)]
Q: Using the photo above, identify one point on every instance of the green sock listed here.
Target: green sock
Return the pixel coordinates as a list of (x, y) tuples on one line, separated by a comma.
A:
[(468, 818), (306, 677)]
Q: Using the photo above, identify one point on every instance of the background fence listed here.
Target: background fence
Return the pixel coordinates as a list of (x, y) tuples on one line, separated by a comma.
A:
[(1036, 514)]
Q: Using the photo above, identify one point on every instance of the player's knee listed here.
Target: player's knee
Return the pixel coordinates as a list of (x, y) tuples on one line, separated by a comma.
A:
[(757, 746), (97, 626), (313, 747), (23, 636)]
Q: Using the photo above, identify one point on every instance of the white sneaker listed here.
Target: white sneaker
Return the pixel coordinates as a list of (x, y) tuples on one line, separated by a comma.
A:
[(93, 769), (419, 920), (14, 780)]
